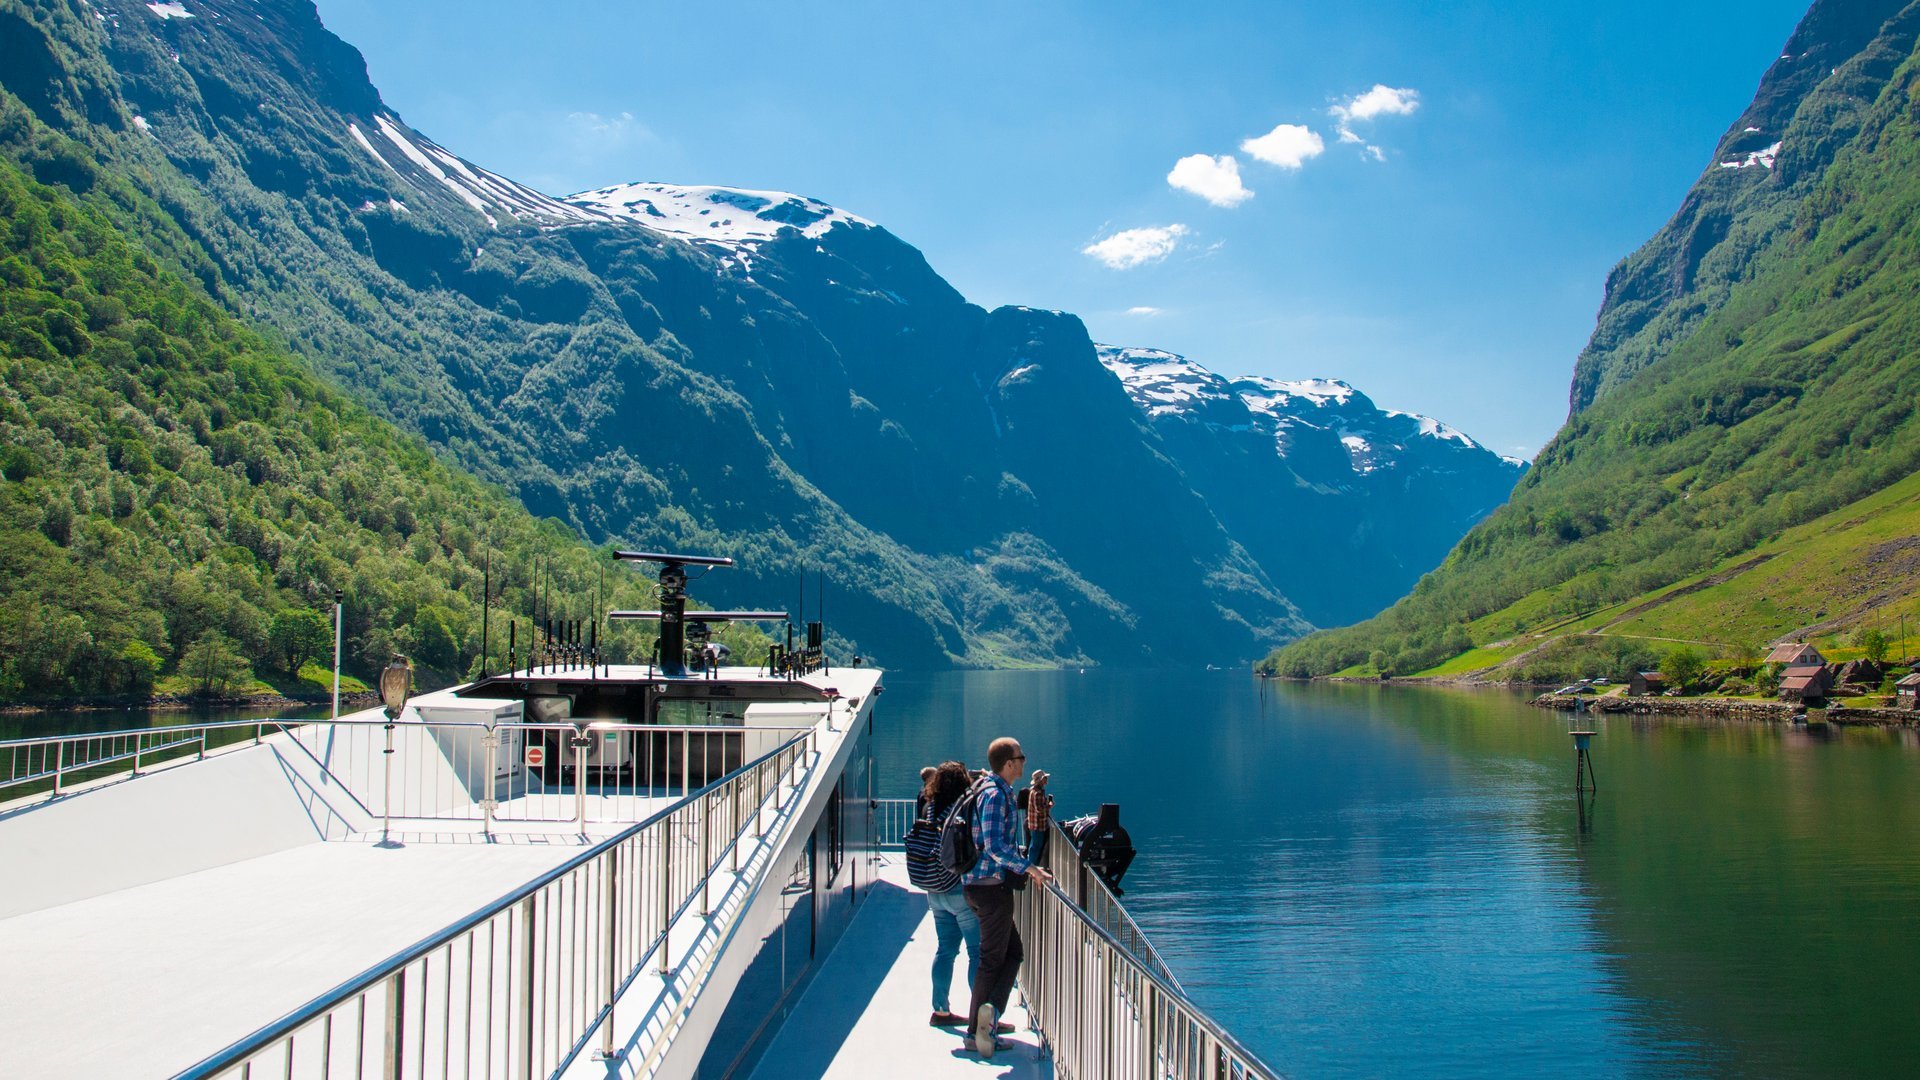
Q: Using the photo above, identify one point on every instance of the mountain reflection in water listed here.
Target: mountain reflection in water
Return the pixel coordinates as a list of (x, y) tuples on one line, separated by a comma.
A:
[(1365, 880)]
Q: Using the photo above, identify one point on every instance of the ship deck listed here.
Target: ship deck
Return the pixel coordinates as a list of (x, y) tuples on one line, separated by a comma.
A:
[(864, 1017), (169, 971)]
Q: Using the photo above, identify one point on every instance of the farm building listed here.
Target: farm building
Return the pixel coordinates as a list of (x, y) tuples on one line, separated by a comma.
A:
[(1906, 692), (1804, 683), (1646, 682), (1795, 653)]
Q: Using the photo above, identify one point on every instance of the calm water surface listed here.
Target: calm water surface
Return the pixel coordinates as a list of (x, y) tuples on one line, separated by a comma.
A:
[(1370, 881)]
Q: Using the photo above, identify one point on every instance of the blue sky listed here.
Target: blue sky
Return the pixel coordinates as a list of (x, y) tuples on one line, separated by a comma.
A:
[(1450, 261)]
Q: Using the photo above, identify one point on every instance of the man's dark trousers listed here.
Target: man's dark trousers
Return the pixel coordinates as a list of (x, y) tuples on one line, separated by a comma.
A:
[(1000, 950)]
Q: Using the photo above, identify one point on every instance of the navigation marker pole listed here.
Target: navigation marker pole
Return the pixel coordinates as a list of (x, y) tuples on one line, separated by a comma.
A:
[(1583, 762)]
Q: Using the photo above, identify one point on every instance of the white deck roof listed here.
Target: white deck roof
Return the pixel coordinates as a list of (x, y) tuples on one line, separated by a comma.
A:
[(837, 1031)]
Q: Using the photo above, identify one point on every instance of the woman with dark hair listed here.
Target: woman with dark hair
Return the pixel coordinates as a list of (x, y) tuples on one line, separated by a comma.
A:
[(953, 921)]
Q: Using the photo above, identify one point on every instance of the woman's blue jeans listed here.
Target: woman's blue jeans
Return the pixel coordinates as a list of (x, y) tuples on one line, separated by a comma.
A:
[(953, 922)]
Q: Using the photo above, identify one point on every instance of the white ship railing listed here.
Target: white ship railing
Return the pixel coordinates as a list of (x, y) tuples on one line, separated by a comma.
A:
[(52, 764), (1095, 985), (521, 987), (605, 772)]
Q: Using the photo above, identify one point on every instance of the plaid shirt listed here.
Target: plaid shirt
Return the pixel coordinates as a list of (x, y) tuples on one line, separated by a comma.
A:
[(993, 832)]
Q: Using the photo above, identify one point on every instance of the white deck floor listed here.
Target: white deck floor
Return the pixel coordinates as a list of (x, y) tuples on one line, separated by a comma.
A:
[(176, 969), (840, 1031)]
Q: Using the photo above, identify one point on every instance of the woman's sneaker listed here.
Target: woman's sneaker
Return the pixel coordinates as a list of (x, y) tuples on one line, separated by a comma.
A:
[(984, 1040), (943, 1018)]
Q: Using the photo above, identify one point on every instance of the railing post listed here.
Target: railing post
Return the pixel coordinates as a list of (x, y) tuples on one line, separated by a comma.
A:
[(396, 1025), (706, 852), (737, 828), (59, 765), (686, 752), (139, 743), (611, 958), (666, 893), (491, 740), (580, 783), (1151, 1064), (525, 1019)]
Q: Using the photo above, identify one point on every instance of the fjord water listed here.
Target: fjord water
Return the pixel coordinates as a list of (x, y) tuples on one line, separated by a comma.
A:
[(1381, 881)]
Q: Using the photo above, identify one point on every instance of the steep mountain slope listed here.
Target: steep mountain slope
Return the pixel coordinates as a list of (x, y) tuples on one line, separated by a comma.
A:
[(170, 485), (700, 367), (1746, 376), (1315, 466)]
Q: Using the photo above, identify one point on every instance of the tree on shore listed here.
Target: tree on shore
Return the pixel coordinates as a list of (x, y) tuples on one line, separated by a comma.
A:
[(214, 665), (1682, 665), (298, 634)]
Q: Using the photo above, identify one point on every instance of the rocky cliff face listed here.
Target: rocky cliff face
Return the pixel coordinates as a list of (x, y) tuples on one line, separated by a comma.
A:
[(1751, 373), (749, 372), (1770, 159)]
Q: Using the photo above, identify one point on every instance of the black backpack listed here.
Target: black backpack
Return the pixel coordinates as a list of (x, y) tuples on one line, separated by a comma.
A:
[(923, 855), (958, 852)]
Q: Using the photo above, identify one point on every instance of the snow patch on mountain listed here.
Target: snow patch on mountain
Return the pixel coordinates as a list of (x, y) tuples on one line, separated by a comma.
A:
[(735, 218), (1163, 383), (1435, 429), (1166, 385), (1764, 157), (170, 11), (1272, 396), (424, 163)]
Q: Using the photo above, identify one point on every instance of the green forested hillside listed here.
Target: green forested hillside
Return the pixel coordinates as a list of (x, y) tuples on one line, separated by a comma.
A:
[(839, 408), (1757, 366), (180, 496)]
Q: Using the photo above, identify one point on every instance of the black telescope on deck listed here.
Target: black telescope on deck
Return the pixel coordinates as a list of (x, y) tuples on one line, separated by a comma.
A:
[(673, 613), (1103, 843)]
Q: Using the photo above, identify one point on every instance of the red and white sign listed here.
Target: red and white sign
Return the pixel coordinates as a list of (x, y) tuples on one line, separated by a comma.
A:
[(536, 756)]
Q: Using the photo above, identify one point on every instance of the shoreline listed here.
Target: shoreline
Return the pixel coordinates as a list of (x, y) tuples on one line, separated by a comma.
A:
[(1699, 708), (1733, 709), (177, 703)]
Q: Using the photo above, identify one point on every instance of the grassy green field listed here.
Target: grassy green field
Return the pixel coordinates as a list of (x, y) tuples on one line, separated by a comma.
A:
[(1823, 581)]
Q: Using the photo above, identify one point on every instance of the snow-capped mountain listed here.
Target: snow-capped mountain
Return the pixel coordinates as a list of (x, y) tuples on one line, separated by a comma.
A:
[(744, 371), (1295, 413), (1314, 463), (425, 165), (729, 217)]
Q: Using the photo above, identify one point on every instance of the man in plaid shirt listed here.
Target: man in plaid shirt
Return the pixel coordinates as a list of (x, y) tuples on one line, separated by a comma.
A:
[(989, 894)]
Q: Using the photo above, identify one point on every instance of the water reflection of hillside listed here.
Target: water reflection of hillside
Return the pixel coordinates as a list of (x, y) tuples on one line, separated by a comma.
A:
[(1368, 880)]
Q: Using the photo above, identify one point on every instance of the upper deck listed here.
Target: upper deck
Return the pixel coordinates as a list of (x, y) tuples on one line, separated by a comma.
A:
[(165, 915)]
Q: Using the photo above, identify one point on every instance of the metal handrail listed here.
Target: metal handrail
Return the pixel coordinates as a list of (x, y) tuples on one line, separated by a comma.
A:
[(1079, 940), (1097, 900), (595, 946), (57, 758), (1105, 1014)]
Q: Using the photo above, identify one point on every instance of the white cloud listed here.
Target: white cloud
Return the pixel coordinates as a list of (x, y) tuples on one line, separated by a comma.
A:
[(1287, 145), (592, 130), (1215, 179), (1376, 153), (1382, 100), (1143, 310), (1136, 247)]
